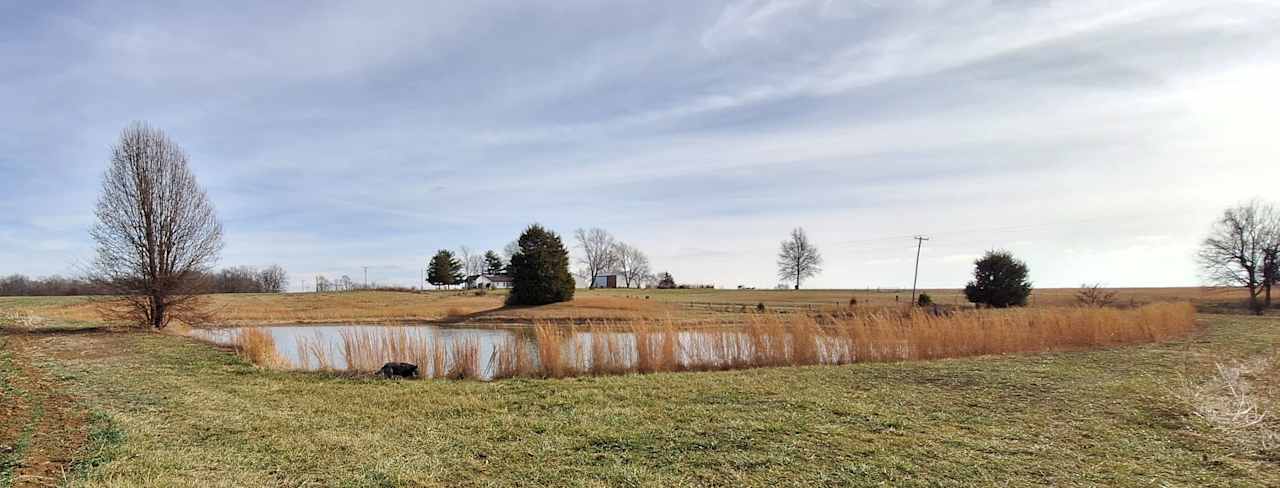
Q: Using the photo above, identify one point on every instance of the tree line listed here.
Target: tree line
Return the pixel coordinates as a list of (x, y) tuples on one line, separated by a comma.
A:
[(238, 279)]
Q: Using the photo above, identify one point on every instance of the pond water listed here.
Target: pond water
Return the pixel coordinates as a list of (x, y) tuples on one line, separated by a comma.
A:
[(297, 345), (438, 351)]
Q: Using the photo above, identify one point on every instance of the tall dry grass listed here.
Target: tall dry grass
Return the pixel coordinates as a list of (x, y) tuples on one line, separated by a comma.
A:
[(765, 340), (769, 340), (258, 347)]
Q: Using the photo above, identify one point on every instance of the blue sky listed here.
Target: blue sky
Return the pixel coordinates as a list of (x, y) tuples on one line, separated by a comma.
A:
[(1097, 140)]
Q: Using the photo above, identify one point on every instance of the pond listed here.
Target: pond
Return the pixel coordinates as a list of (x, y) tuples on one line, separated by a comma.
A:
[(336, 347), (496, 351), (641, 346)]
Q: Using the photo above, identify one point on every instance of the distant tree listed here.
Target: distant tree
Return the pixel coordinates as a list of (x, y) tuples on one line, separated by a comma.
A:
[(924, 300), (666, 281), (473, 264), (237, 279), (1235, 252), (323, 284), (1271, 255), (999, 281), (540, 269), (444, 269), (510, 249), (799, 259), (157, 233), (493, 263), (345, 283), (1095, 296), (20, 285), (599, 253), (1270, 272), (632, 264), (273, 279)]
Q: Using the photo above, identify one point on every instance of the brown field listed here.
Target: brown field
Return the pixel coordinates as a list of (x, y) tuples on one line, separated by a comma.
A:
[(683, 306)]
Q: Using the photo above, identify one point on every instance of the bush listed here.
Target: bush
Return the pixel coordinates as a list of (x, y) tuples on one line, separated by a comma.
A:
[(1095, 296), (999, 281), (924, 300), (540, 269)]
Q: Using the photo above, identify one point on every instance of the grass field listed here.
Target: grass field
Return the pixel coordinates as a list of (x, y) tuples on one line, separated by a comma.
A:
[(686, 306), (146, 409), (84, 406)]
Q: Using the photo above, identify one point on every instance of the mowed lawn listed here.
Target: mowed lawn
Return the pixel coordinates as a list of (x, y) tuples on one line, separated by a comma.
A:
[(165, 411)]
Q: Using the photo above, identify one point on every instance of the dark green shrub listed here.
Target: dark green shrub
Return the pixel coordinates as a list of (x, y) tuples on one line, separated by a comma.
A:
[(540, 269), (924, 300), (999, 281)]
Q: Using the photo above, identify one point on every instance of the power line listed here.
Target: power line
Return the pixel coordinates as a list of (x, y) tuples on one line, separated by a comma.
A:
[(919, 244)]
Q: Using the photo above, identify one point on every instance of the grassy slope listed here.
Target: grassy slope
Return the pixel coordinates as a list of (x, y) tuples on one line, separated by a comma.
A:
[(194, 416)]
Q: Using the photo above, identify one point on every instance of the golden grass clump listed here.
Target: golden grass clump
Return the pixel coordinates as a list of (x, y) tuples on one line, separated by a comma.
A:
[(257, 346)]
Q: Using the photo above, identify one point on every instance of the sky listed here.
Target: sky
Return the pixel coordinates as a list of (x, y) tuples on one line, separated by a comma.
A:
[(1097, 141)]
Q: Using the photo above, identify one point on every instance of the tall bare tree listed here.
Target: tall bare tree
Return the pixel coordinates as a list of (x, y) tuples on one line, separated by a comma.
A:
[(1235, 253), (598, 253), (157, 232), (632, 264), (472, 262), (799, 259)]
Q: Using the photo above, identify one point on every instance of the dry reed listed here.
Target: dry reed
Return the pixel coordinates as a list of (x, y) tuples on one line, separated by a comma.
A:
[(258, 347), (765, 340)]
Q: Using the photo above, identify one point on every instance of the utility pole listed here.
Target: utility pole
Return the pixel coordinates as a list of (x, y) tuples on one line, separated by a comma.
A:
[(366, 277), (919, 244)]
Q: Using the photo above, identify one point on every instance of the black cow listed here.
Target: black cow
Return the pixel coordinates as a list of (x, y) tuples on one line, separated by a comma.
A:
[(403, 370)]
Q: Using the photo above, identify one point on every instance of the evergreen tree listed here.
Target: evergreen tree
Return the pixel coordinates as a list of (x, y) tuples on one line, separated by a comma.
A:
[(540, 269), (444, 269), (999, 281), (493, 263), (665, 280)]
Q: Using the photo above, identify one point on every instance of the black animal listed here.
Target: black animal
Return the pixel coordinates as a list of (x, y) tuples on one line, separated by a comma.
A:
[(403, 370)]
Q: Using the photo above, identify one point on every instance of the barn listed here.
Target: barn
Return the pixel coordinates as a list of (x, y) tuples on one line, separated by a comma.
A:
[(606, 281)]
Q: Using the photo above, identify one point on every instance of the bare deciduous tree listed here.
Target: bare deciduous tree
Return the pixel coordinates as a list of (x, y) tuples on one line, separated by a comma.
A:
[(273, 279), (509, 250), (598, 253), (157, 232), (1095, 296), (799, 259), (633, 265), (472, 263), (1234, 254)]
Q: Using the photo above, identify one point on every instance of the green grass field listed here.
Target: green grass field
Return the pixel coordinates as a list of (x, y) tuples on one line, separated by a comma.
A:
[(144, 409)]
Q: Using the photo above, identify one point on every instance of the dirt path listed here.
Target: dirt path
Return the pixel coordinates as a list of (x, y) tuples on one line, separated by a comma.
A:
[(41, 427)]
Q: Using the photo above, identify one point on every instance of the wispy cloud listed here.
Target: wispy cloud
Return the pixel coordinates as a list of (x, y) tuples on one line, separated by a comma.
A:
[(338, 135)]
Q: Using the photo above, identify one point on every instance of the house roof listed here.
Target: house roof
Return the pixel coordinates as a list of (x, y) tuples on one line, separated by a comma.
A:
[(496, 278)]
